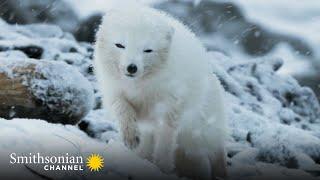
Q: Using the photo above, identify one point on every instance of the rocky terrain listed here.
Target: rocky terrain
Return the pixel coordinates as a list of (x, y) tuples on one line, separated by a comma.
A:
[(274, 122)]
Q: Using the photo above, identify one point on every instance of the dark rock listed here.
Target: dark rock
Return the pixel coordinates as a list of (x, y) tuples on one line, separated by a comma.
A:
[(248, 138), (87, 29), (3, 48), (73, 50), (95, 128), (91, 69), (83, 125), (34, 52)]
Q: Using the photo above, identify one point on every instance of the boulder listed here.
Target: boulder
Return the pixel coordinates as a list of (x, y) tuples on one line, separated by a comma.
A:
[(87, 29), (48, 90)]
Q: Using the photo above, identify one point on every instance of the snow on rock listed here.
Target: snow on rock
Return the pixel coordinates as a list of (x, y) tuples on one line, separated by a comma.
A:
[(49, 42), (272, 119), (96, 126), (24, 136), (41, 41), (54, 91)]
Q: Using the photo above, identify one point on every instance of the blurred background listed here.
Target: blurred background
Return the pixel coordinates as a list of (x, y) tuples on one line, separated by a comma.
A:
[(241, 29)]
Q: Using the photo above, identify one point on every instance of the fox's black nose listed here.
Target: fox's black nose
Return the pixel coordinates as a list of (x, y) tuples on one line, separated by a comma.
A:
[(132, 68)]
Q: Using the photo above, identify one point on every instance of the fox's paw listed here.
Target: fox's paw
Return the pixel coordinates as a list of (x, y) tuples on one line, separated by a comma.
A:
[(131, 138)]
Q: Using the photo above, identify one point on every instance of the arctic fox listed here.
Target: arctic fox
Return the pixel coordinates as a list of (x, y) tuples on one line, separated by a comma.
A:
[(156, 81)]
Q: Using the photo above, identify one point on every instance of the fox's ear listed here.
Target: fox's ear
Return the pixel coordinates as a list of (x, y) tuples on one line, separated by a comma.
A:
[(170, 33)]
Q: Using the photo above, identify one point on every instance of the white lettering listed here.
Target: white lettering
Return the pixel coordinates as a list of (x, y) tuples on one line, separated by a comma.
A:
[(13, 158)]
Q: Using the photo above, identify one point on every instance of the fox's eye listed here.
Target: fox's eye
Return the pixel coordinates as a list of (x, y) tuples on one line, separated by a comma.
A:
[(120, 46), (148, 51)]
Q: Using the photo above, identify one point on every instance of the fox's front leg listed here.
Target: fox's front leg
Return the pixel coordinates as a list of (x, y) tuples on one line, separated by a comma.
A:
[(166, 141), (126, 115)]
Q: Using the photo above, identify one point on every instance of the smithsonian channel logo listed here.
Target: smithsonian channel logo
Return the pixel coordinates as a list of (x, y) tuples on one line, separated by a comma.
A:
[(65, 162)]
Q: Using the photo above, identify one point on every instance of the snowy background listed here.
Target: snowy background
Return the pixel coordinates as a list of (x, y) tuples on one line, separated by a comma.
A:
[(266, 53)]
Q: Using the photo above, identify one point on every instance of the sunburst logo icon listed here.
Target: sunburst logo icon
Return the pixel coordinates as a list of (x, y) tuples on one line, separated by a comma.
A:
[(95, 162)]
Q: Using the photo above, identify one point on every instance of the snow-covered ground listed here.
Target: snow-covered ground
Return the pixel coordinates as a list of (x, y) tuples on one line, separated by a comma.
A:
[(274, 122), (24, 136)]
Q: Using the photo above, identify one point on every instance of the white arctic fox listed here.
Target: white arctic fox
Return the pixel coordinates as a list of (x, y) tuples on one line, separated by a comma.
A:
[(155, 80)]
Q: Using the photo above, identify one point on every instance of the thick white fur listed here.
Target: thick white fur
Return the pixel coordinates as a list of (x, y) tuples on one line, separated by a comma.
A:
[(172, 111)]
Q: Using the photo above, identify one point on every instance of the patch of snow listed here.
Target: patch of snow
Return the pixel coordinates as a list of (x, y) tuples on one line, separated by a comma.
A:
[(24, 136)]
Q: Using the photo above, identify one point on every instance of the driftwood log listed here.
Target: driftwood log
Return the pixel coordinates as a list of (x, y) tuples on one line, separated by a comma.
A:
[(52, 91)]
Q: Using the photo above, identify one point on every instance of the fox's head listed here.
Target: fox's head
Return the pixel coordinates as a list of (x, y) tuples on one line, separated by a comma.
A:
[(134, 45)]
